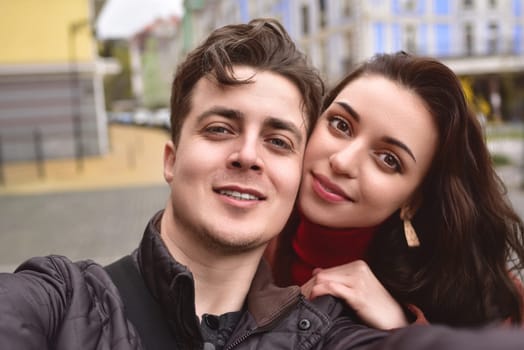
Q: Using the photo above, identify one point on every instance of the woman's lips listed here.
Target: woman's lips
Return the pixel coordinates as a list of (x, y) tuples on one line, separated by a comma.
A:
[(328, 190)]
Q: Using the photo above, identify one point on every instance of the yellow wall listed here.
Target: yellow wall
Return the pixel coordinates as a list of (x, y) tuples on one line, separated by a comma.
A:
[(36, 31)]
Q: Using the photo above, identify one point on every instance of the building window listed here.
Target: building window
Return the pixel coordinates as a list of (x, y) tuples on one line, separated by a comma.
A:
[(346, 8), (305, 19), (379, 31), (442, 7), (410, 39), (517, 8), (518, 44), (409, 5), (468, 39), (323, 56), (492, 3), (323, 15), (493, 29), (443, 39), (422, 39), (467, 4), (347, 61)]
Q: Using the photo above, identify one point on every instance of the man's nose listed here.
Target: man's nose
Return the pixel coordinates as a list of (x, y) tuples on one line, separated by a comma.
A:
[(246, 156)]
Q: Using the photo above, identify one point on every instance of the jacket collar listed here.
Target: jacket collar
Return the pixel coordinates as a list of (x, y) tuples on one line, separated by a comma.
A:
[(265, 301), (172, 284)]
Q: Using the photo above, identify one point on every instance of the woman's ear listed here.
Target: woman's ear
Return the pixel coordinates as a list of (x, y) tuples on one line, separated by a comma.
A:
[(407, 212), (410, 208)]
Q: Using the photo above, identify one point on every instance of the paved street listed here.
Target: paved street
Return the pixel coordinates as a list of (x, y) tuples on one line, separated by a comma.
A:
[(98, 213), (101, 214), (99, 224)]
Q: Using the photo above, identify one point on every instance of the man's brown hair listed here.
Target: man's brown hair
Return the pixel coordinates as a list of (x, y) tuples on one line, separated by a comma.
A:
[(262, 44)]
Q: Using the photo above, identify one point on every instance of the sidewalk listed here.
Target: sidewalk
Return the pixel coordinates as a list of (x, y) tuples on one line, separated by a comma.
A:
[(98, 213), (135, 159)]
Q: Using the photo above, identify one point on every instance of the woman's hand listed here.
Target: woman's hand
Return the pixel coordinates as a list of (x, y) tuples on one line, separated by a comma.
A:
[(361, 290)]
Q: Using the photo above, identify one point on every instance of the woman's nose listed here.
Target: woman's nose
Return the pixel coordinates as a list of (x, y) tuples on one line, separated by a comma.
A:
[(347, 160)]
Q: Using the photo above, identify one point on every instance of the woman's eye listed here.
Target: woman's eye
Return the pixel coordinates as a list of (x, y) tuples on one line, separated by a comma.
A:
[(340, 125), (391, 161)]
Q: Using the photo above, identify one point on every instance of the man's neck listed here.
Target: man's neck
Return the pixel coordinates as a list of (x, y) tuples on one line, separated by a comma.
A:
[(222, 281), (221, 288)]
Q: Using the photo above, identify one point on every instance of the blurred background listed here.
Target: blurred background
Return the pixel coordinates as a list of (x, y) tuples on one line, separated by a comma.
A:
[(85, 85)]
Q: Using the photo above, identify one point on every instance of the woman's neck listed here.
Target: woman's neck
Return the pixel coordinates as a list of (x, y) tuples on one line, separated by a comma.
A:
[(319, 246)]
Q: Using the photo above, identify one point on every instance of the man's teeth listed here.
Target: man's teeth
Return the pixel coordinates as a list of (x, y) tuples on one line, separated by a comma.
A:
[(239, 195)]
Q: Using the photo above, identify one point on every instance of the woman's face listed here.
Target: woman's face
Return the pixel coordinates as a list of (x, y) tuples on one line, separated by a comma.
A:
[(368, 153)]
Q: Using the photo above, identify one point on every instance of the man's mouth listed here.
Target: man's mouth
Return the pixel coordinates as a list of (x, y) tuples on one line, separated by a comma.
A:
[(239, 195)]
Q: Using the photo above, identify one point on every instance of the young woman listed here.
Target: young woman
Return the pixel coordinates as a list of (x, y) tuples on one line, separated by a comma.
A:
[(400, 210)]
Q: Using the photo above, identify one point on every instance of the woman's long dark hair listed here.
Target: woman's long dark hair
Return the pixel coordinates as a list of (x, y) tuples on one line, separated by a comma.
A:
[(467, 228)]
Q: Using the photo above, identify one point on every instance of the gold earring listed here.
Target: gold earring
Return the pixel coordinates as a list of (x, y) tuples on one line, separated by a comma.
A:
[(409, 230)]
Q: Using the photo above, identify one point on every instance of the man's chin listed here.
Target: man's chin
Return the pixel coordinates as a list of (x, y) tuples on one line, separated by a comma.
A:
[(234, 243)]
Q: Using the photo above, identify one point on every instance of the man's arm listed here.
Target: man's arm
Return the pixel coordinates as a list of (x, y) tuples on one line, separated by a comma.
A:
[(445, 338), (350, 336), (32, 303)]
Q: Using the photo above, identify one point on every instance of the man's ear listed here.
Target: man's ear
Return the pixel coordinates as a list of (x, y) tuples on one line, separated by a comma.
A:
[(169, 160)]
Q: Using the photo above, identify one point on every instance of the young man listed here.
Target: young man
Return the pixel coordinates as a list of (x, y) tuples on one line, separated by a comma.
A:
[(242, 106)]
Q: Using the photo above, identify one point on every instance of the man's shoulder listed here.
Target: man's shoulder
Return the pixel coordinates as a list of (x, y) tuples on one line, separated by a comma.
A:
[(332, 309), (58, 298), (60, 275), (60, 267), (328, 305)]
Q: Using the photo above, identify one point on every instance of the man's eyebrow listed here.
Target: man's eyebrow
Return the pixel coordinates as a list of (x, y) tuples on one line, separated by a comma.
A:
[(227, 113), (400, 144), (280, 124), (349, 110)]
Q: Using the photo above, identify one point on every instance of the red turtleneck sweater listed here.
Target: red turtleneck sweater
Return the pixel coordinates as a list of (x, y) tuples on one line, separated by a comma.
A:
[(324, 247)]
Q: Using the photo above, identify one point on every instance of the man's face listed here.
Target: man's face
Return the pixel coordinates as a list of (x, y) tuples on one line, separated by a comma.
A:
[(235, 171)]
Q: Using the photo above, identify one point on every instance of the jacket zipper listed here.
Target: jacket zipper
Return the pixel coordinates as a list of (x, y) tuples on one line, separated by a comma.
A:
[(262, 329), (239, 340)]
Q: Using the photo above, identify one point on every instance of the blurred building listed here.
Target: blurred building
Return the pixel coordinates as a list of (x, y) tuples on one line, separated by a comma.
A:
[(481, 40), (51, 96), (141, 35), (153, 51)]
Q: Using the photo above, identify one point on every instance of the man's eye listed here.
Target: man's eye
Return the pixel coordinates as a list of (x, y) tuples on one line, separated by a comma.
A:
[(340, 125), (218, 129), (280, 143)]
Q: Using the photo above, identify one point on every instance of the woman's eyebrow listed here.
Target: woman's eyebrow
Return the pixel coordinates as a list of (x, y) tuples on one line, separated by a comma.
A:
[(400, 144), (386, 139), (349, 110)]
